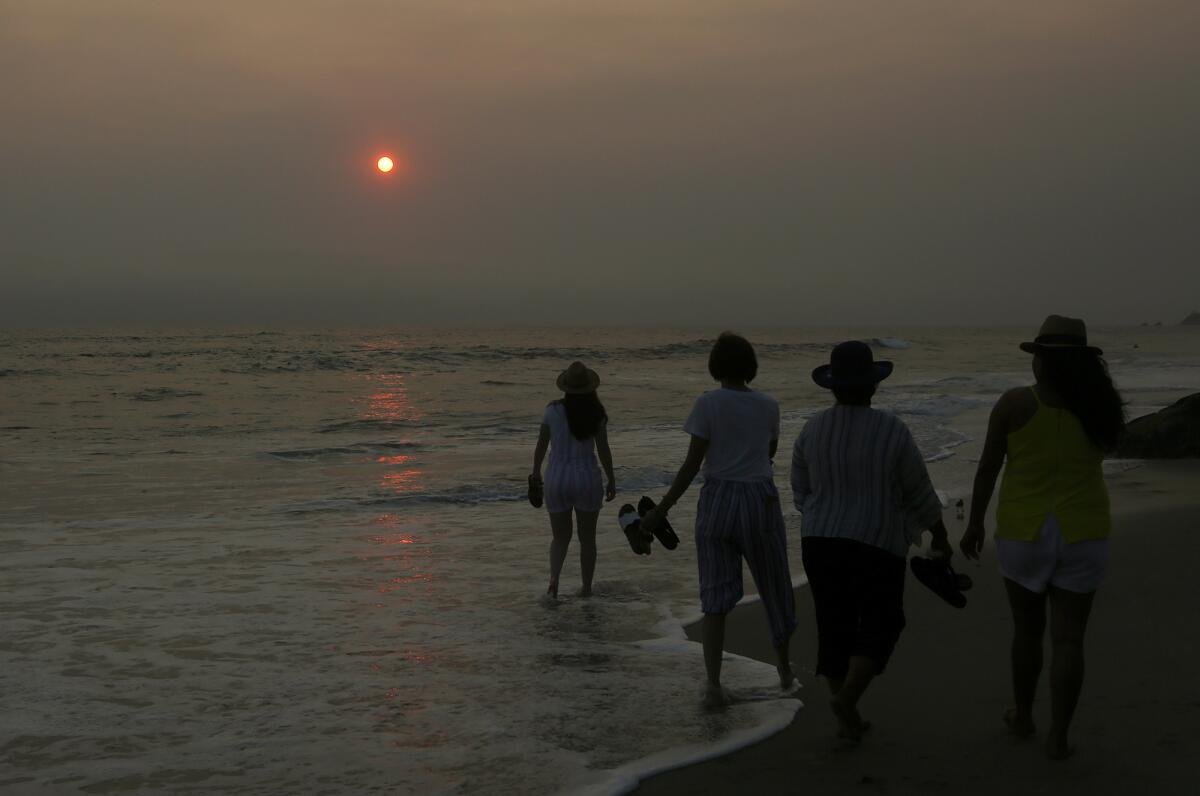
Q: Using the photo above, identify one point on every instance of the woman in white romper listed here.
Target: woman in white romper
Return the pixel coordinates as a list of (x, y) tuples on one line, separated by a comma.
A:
[(575, 430)]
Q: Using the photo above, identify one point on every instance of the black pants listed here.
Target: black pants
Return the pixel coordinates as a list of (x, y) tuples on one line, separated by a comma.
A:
[(858, 592)]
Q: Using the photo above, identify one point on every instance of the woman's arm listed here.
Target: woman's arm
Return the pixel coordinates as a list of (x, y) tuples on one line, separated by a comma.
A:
[(995, 446), (687, 473), (539, 451), (799, 475), (605, 454)]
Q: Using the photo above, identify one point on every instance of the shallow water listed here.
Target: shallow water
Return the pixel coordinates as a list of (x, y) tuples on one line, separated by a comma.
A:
[(302, 561)]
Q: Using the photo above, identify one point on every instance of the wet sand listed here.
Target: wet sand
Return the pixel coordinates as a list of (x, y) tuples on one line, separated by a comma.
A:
[(937, 710)]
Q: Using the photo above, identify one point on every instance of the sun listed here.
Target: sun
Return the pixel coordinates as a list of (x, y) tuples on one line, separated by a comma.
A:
[(385, 164)]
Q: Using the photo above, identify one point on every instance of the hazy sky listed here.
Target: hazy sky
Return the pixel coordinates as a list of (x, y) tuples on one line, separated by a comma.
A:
[(597, 161)]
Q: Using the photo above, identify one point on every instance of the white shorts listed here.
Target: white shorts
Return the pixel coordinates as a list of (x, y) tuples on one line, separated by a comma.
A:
[(1051, 561), (573, 486)]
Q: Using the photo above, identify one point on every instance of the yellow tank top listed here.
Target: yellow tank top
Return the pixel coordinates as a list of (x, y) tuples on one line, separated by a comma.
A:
[(1052, 468)]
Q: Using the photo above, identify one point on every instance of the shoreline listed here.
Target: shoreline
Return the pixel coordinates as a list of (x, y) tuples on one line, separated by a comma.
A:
[(937, 709)]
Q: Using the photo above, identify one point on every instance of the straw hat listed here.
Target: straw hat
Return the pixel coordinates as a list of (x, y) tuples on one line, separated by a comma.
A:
[(1058, 333), (851, 365), (578, 379)]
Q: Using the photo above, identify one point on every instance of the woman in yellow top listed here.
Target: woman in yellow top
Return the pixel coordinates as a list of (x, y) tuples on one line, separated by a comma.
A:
[(1052, 521)]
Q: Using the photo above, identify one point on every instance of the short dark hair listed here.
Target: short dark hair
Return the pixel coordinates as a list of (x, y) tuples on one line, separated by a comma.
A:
[(732, 358), (855, 395)]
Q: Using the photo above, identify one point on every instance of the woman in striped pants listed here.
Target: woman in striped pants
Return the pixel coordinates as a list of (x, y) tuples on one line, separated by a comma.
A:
[(734, 433)]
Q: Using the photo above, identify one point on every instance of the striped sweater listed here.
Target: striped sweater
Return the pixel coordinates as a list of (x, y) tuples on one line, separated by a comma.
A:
[(857, 474)]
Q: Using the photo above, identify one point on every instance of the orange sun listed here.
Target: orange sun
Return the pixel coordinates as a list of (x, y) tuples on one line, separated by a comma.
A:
[(385, 164)]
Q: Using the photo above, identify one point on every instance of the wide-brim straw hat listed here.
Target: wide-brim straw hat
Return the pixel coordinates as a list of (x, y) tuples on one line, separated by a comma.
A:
[(1060, 333), (578, 379), (851, 365)]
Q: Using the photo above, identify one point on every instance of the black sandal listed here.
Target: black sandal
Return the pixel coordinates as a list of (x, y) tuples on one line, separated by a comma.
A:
[(937, 576), (631, 524), (664, 532), (535, 491)]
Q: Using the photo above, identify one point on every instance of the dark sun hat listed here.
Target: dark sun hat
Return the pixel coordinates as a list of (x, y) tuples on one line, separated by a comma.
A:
[(578, 379), (851, 365), (1058, 333)]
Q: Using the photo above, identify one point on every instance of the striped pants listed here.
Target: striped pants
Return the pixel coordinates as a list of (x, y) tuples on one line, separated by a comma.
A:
[(743, 519)]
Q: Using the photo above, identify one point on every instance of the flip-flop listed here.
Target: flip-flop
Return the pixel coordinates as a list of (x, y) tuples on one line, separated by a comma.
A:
[(936, 575), (664, 532), (535, 491), (631, 524)]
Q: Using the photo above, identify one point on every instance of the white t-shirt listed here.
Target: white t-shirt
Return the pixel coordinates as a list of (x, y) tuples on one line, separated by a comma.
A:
[(739, 426)]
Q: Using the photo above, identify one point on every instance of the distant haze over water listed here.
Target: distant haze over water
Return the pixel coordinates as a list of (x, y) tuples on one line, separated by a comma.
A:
[(671, 162)]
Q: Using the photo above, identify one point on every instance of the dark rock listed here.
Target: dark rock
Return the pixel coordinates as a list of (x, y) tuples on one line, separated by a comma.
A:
[(1172, 433), (1191, 320)]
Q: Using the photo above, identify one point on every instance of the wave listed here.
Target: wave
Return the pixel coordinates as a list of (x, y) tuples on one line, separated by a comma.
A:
[(370, 359), (256, 355), (301, 363), (360, 449), (361, 425), (937, 406), (10, 372), (161, 394), (196, 431)]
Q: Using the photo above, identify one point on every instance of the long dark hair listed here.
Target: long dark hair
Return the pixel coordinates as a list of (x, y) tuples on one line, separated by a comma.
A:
[(1081, 380), (585, 413)]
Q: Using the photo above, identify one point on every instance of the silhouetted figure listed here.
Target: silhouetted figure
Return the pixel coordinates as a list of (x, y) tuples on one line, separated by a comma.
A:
[(575, 429), (1052, 521), (860, 482), (734, 433)]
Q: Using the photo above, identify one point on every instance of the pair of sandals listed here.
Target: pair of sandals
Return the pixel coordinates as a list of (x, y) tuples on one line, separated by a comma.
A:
[(640, 539), (937, 575)]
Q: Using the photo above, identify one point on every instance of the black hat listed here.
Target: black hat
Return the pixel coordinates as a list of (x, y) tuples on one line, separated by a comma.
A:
[(578, 379), (1058, 332), (851, 365)]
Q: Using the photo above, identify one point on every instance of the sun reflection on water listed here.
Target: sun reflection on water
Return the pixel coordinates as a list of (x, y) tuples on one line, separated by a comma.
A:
[(390, 401)]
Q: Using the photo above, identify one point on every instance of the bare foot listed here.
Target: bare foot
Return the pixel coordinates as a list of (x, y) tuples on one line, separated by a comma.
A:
[(787, 678), (1020, 726), (863, 726), (552, 589), (1057, 747), (585, 592), (715, 696), (850, 724)]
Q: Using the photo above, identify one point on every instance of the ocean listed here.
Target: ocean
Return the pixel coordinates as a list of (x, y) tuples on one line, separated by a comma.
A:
[(263, 561)]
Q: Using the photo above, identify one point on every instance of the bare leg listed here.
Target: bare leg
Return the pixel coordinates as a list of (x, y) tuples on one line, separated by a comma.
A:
[(560, 526), (1069, 613), (846, 695), (1029, 625), (587, 548), (783, 665), (712, 637)]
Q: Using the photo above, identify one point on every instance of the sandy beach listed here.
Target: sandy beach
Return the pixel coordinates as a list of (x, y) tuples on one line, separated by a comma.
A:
[(937, 710)]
